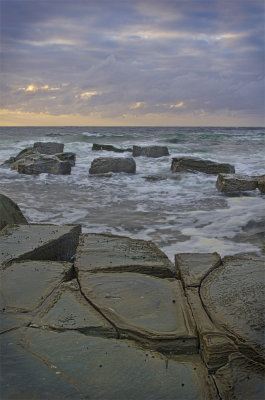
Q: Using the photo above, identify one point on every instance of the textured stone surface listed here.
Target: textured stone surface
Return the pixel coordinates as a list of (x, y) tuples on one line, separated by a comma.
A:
[(68, 309), (68, 156), (109, 147), (113, 369), (48, 147), (149, 309), (180, 164), (150, 151), (240, 379), (38, 163), (215, 345), (10, 213), (38, 242), (236, 182), (234, 297), (112, 164), (25, 285), (193, 267), (103, 253), (261, 184)]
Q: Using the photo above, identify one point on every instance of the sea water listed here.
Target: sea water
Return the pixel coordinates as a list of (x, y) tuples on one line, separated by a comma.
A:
[(181, 212)]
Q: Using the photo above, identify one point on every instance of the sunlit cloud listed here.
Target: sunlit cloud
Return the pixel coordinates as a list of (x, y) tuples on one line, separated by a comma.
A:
[(179, 105), (87, 95), (136, 105), (33, 88)]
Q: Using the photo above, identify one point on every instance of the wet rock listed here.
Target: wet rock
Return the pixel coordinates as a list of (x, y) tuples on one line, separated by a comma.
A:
[(236, 182), (151, 310), (150, 151), (98, 368), (10, 213), (261, 183), (240, 379), (215, 344), (193, 267), (182, 164), (22, 154), (156, 178), (68, 309), (107, 164), (38, 242), (48, 147), (38, 164), (26, 284), (233, 295), (109, 147), (109, 253), (27, 377), (67, 156)]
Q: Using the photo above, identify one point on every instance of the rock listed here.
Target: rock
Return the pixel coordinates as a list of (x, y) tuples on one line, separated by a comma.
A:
[(193, 267), (38, 242), (70, 365), (109, 253), (67, 156), (107, 164), (10, 213), (182, 164), (68, 309), (233, 296), (261, 183), (22, 154), (150, 151), (109, 147), (38, 164), (48, 147), (236, 182), (26, 284), (240, 378), (151, 310)]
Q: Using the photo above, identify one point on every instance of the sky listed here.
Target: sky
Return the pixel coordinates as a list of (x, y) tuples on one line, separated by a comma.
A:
[(132, 62)]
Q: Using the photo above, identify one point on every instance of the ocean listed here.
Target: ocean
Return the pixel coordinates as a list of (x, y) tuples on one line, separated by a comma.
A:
[(179, 212)]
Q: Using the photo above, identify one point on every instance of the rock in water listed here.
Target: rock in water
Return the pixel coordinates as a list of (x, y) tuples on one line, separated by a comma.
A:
[(102, 165), (38, 164), (236, 182), (150, 151), (182, 164), (48, 147), (108, 147), (68, 156), (10, 213)]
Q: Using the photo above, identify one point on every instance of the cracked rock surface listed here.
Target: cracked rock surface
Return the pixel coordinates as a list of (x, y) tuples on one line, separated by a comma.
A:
[(121, 322)]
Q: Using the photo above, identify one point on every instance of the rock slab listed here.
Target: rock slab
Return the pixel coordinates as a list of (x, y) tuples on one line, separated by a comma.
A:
[(237, 182), (182, 164), (10, 213), (150, 151), (116, 164)]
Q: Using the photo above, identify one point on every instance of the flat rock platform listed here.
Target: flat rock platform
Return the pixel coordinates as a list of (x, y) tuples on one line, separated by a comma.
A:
[(90, 316)]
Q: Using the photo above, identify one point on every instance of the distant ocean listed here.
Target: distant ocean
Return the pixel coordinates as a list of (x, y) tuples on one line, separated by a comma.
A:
[(187, 214)]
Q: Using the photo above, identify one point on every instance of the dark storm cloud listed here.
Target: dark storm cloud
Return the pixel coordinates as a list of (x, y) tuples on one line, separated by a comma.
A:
[(118, 57)]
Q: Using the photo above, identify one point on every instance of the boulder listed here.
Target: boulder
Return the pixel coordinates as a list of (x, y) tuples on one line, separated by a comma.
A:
[(48, 147), (150, 151), (236, 182), (10, 213), (182, 164), (22, 154), (38, 164), (67, 156), (109, 147), (107, 164)]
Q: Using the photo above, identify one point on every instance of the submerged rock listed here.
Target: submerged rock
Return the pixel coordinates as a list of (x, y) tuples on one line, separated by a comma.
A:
[(108, 164), (109, 147), (237, 182), (67, 156), (181, 164), (150, 151), (10, 213)]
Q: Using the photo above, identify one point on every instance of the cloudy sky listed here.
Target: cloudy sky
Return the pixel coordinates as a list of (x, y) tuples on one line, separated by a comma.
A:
[(132, 62)]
